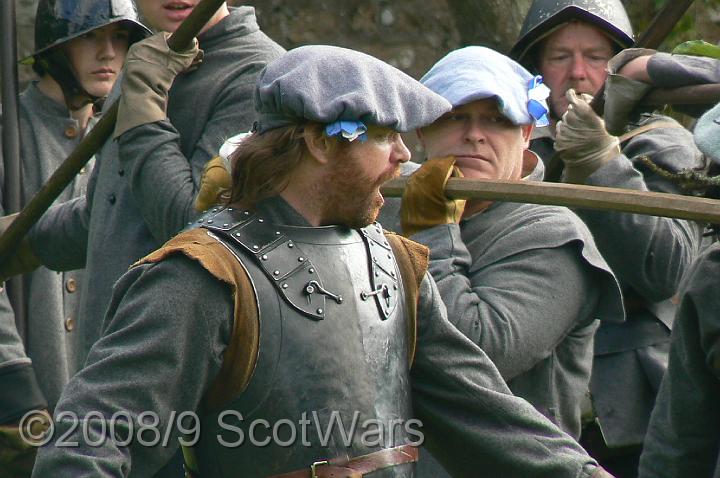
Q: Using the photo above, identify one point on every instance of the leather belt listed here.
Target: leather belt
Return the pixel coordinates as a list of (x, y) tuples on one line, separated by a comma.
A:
[(358, 466)]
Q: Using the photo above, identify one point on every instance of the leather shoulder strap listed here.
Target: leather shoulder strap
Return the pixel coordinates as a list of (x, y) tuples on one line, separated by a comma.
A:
[(412, 259), (241, 353), (648, 127)]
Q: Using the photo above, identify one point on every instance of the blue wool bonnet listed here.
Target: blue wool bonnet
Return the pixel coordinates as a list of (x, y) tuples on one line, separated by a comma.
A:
[(475, 73), (707, 134), (344, 89)]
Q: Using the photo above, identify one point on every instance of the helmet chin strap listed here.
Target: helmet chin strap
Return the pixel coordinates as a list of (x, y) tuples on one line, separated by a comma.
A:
[(57, 65)]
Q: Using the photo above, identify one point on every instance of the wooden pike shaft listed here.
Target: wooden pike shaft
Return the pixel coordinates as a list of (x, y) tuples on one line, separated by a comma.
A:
[(93, 141), (577, 196)]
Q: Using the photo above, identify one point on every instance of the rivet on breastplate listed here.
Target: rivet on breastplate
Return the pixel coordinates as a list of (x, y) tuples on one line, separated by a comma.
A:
[(301, 259), (311, 270), (320, 311), (291, 245), (276, 273), (210, 221), (389, 256), (264, 257), (226, 225), (277, 233), (284, 286), (201, 220), (247, 213), (215, 209), (377, 274), (230, 209), (261, 220), (256, 247), (237, 234)]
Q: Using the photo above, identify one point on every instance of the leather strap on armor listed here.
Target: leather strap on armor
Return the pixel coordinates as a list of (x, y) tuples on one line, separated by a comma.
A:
[(412, 260), (241, 354), (358, 466), (648, 127)]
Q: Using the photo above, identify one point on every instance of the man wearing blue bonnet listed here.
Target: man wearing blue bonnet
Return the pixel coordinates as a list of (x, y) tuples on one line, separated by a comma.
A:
[(524, 282), (305, 318)]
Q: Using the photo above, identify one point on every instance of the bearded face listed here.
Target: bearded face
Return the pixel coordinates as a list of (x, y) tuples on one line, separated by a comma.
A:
[(351, 185)]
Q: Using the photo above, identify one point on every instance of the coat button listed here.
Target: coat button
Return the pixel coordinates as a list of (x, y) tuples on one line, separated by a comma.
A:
[(69, 324), (71, 132), (111, 198), (71, 285)]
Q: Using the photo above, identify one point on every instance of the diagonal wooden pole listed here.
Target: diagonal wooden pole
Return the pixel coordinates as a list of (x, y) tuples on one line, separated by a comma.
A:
[(65, 173), (12, 182), (576, 196)]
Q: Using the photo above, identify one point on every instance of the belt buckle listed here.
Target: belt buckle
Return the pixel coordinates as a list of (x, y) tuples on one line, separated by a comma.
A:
[(314, 466)]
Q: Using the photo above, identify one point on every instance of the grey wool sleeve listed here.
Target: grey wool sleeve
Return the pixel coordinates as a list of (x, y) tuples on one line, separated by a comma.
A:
[(471, 422), (160, 349), (648, 253)]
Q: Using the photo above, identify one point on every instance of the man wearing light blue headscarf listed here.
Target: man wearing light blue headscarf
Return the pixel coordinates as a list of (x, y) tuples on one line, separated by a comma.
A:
[(525, 282)]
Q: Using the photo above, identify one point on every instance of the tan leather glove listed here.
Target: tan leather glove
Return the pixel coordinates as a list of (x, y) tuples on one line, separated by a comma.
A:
[(424, 203), (17, 454), (150, 69), (622, 94), (23, 260), (215, 182), (581, 139)]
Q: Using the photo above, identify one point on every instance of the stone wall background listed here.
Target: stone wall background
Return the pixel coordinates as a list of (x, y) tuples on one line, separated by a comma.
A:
[(410, 34)]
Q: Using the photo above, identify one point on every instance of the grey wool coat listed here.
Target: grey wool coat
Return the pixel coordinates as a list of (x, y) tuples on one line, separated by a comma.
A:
[(526, 283), (649, 256), (469, 416), (48, 136), (142, 189), (683, 438)]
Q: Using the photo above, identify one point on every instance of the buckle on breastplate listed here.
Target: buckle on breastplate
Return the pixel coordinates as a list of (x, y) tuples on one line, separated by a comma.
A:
[(313, 467)]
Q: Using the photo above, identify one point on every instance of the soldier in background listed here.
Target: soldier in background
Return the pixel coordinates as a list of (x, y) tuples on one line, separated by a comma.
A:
[(570, 43), (682, 438), (80, 48)]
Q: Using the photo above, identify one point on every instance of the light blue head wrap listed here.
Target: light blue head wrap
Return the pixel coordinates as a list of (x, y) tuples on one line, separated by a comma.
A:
[(475, 73)]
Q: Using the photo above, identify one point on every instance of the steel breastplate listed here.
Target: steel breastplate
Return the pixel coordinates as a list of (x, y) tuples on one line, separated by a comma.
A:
[(332, 375)]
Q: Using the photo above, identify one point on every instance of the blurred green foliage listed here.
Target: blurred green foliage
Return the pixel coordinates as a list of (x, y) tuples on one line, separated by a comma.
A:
[(700, 22)]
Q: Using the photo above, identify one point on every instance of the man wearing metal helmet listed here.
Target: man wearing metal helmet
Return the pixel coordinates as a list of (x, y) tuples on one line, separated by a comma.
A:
[(80, 48), (173, 114), (570, 43), (170, 120)]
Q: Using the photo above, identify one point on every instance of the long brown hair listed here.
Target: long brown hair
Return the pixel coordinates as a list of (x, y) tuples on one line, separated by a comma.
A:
[(263, 163)]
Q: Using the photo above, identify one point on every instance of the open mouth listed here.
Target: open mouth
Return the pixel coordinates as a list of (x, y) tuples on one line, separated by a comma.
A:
[(178, 9)]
